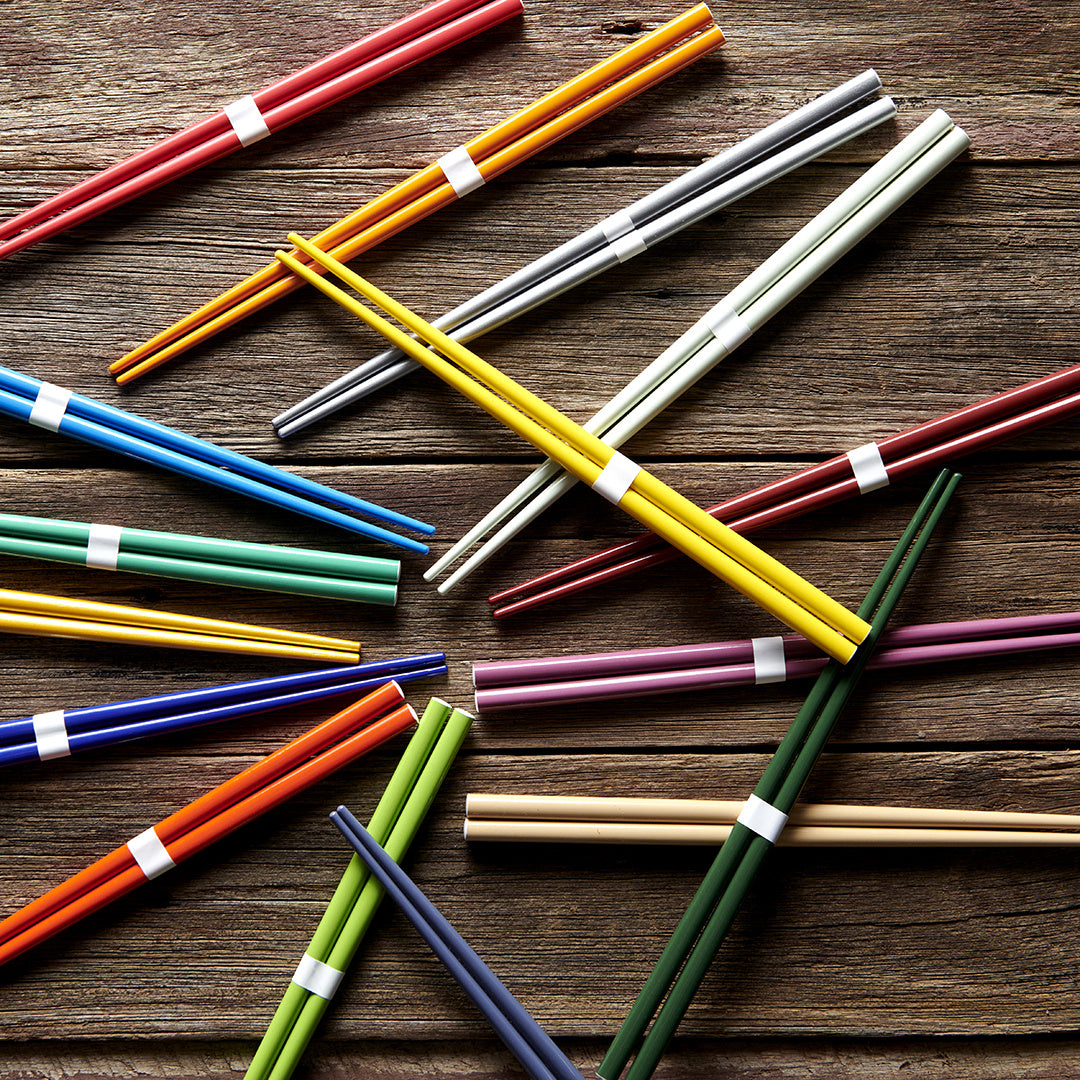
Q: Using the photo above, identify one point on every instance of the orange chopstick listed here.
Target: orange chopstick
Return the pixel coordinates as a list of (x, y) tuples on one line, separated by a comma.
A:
[(287, 760), (497, 150)]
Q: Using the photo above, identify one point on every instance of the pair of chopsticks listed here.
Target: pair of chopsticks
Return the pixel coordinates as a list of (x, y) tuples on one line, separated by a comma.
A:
[(400, 45), (313, 756), (570, 819), (525, 684), (57, 409), (782, 277), (747, 568), (783, 146), (87, 620), (239, 563), (59, 733), (898, 457), (397, 817), (670, 987), (596, 91), (522, 1035)]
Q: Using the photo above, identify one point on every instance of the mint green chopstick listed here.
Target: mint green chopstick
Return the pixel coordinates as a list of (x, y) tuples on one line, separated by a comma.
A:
[(397, 817), (243, 564), (717, 900)]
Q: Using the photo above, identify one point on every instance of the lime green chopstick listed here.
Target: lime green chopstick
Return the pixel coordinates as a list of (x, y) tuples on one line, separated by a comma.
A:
[(397, 817), (703, 926), (245, 564)]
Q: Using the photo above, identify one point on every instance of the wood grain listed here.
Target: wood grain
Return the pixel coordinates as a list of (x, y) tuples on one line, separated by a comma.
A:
[(865, 965)]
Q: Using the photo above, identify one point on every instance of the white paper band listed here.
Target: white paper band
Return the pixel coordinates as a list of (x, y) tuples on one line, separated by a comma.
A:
[(49, 406), (617, 225), (869, 469), (460, 171), (616, 477), (763, 818), (149, 852), (320, 979), (103, 546), (50, 731), (769, 663), (628, 245), (247, 121), (727, 326)]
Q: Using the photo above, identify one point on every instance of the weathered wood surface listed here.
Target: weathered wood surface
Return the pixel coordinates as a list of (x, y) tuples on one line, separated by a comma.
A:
[(859, 964)]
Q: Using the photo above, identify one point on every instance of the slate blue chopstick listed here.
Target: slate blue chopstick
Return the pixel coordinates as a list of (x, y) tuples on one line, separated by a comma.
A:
[(116, 429), (522, 1034), (213, 703)]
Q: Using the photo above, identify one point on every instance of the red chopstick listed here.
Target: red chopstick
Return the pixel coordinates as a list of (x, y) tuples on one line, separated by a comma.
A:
[(366, 62), (293, 767), (943, 439)]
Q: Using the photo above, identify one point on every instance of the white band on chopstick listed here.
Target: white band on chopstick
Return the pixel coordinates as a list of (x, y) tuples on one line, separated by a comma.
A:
[(460, 171), (727, 326), (618, 224), (49, 406), (150, 853), (763, 818), (769, 662), (318, 978), (616, 477), (247, 121), (103, 546), (868, 468), (628, 245), (50, 733)]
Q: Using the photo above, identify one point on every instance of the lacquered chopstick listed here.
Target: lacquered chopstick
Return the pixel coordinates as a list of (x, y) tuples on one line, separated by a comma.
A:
[(351, 910), (57, 409), (599, 809), (728, 176), (517, 138), (246, 122), (522, 1035), (235, 563), (297, 765), (758, 298), (957, 435), (60, 733), (776, 667), (685, 959), (754, 573)]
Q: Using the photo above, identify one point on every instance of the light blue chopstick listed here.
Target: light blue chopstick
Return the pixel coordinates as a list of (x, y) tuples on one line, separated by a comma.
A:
[(529, 1042), (169, 438), (77, 427)]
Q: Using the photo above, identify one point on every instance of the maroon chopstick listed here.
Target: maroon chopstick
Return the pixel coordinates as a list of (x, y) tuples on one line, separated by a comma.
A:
[(902, 455)]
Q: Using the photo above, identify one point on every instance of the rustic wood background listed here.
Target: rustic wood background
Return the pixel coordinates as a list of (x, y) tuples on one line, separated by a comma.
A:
[(861, 964)]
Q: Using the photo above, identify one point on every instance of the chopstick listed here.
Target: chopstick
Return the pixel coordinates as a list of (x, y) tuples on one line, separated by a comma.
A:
[(1010, 414), (400, 45), (397, 817), (553, 116), (529, 1043), (687, 956), (757, 575), (830, 235), (292, 768), (681, 202), (61, 616), (627, 820), (59, 733), (239, 563), (59, 410), (504, 686)]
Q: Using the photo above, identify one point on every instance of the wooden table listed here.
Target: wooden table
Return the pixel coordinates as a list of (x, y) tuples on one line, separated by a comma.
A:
[(863, 964)]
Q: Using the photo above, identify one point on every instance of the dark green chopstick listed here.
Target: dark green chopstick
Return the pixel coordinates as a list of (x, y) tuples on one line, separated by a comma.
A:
[(731, 873)]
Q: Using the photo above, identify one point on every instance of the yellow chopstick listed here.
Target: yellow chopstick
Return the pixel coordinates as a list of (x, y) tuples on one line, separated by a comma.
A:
[(726, 554)]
